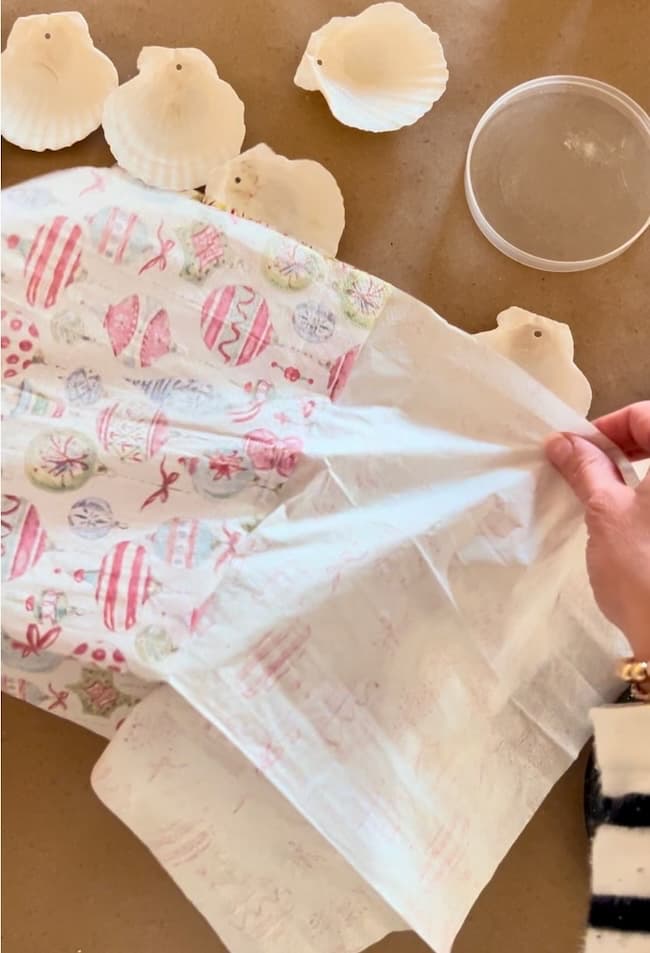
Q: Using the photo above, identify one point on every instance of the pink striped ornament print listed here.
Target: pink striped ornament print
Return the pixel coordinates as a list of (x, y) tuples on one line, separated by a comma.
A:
[(235, 322)]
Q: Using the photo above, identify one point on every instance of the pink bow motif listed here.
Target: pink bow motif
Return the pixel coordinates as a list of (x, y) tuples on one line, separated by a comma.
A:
[(160, 260), (167, 481), (35, 642), (98, 184), (230, 550), (269, 452), (59, 698)]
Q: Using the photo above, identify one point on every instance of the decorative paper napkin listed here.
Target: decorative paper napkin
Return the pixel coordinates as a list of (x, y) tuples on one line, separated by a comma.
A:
[(162, 366), (322, 516)]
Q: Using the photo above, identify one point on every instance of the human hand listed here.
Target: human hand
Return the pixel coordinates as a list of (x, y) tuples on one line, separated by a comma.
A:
[(617, 517)]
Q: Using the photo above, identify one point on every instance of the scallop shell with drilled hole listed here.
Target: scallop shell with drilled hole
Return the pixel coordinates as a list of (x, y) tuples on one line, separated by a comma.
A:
[(298, 197), (544, 348), (54, 82), (378, 71), (173, 122)]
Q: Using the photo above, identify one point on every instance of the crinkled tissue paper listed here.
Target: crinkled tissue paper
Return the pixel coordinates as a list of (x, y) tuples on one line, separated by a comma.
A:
[(295, 537)]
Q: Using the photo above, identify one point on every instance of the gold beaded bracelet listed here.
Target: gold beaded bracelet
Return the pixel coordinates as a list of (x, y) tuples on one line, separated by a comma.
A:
[(637, 675)]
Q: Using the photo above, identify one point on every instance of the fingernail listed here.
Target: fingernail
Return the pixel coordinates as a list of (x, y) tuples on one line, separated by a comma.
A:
[(558, 448)]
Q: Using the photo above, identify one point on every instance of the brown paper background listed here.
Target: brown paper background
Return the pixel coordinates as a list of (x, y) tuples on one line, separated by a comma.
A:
[(74, 879)]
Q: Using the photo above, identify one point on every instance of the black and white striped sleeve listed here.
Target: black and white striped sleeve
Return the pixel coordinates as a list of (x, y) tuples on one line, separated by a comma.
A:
[(619, 915)]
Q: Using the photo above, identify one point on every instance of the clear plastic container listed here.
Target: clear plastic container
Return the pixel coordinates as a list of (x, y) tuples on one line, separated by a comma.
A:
[(558, 173)]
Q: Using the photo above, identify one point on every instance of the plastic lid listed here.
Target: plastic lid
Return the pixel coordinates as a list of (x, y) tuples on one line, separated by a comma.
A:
[(558, 173)]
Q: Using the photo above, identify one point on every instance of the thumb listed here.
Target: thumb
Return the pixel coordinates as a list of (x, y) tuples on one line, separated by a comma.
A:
[(585, 467)]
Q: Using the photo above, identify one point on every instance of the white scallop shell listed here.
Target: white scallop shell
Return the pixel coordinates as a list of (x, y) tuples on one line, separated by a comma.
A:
[(378, 71), (54, 82), (544, 348), (173, 122), (298, 197)]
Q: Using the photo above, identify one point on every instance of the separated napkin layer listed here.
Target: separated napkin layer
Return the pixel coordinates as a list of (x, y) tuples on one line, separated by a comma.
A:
[(260, 874)]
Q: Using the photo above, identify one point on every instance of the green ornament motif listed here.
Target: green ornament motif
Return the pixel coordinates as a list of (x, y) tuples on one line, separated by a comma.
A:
[(290, 265), (363, 297), (61, 460), (153, 644), (68, 328), (98, 694), (204, 248), (51, 606)]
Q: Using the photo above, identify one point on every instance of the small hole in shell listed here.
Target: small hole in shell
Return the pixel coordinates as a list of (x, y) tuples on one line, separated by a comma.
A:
[(319, 62), (237, 179), (179, 66), (537, 334), (48, 36)]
